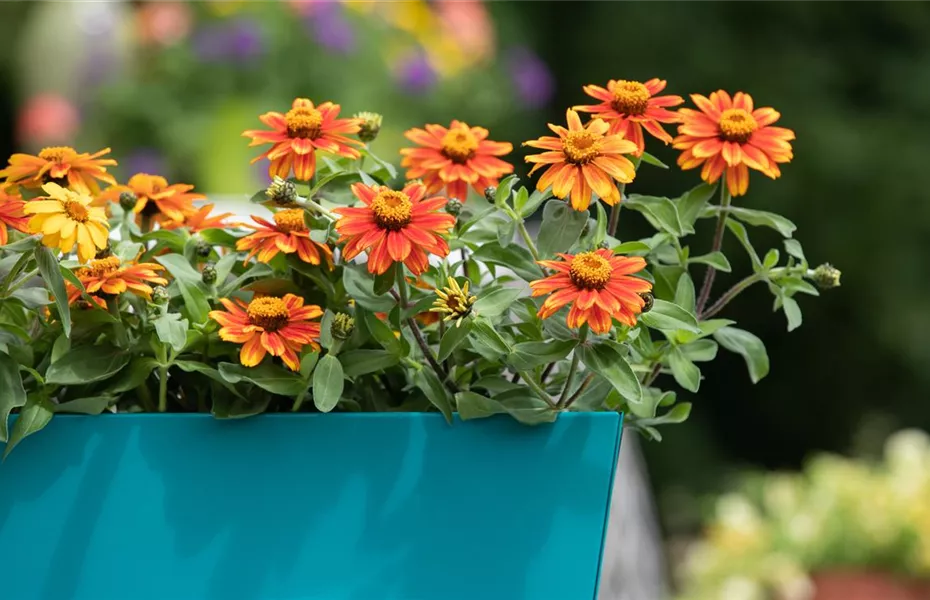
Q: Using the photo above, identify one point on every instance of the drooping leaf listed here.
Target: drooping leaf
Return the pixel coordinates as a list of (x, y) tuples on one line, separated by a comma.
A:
[(131, 377), (475, 406), (678, 414), (328, 383), (51, 274), (427, 380), (86, 364), (93, 405), (749, 346), (560, 229), (267, 376), (529, 410), (33, 417), (686, 373), (792, 312), (233, 407), (13, 394)]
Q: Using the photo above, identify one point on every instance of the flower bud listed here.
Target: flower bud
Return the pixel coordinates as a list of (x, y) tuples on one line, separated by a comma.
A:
[(454, 207), (282, 192), (649, 300), (370, 125), (490, 193), (208, 275), (160, 295), (826, 276), (127, 201), (104, 252), (342, 327), (203, 249)]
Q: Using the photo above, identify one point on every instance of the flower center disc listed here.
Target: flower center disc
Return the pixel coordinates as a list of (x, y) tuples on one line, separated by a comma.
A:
[(630, 98), (290, 220), (304, 123), (590, 271), (737, 125), (100, 267), (459, 145), (268, 313), (392, 210), (580, 147), (75, 211), (56, 153)]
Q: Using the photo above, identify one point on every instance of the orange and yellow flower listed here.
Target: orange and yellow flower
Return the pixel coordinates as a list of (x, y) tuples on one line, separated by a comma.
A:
[(582, 159), (394, 226), (11, 215), (631, 106), (599, 286), (155, 197), (108, 276), (455, 158), (62, 165), (269, 325), (66, 218), (297, 134), (288, 234), (199, 220), (729, 137)]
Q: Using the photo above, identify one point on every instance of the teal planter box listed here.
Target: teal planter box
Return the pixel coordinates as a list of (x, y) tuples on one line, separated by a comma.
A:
[(307, 507)]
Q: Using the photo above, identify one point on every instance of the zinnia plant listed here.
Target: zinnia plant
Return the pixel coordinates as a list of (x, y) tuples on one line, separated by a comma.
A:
[(350, 289)]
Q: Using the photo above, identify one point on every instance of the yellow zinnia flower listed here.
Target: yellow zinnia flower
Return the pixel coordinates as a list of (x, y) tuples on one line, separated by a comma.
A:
[(65, 218)]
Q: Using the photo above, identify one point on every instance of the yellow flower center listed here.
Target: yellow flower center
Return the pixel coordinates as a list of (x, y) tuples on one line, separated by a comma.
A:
[(304, 123), (459, 145), (290, 220), (268, 312), (99, 267), (737, 125), (56, 153), (590, 271), (75, 211), (392, 209), (580, 147), (630, 98)]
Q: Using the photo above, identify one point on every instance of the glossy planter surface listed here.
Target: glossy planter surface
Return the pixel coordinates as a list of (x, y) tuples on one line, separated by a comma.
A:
[(307, 507)]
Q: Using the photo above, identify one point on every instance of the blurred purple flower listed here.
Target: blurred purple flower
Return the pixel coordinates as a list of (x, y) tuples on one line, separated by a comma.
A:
[(239, 39), (532, 78), (260, 173), (144, 160), (330, 28), (415, 74), (246, 39)]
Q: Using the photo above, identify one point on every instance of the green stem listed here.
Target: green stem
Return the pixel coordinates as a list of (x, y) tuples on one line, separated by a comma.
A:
[(319, 208), (584, 385), (530, 383), (146, 396), (717, 243), (122, 338), (531, 246), (651, 375), (162, 389), (401, 290), (615, 213), (573, 369), (22, 281), (731, 293)]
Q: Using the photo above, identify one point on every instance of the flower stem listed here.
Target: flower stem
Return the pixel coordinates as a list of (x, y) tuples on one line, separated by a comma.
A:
[(717, 243), (531, 246), (576, 357), (615, 213), (122, 338), (731, 293), (401, 297), (319, 208), (162, 389), (538, 389), (584, 385)]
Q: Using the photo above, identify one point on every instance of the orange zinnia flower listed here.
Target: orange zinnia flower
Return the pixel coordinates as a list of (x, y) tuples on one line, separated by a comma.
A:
[(199, 220), (269, 325), (455, 158), (727, 135), (581, 159), (288, 234), (298, 133), (394, 226), (599, 286), (108, 276), (631, 106), (155, 197), (62, 165), (11, 215)]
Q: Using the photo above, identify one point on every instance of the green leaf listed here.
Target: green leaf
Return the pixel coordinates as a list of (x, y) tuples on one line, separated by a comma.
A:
[(528, 355), (189, 282), (764, 219), (225, 407), (513, 257), (427, 380), (686, 372), (529, 410), (715, 259), (385, 281), (660, 212), (220, 237), (51, 274), (505, 232), (700, 350), (32, 298), (475, 406), (792, 312), (607, 361), (600, 229), (361, 362), (13, 394), (740, 232), (359, 285), (326, 329), (631, 247), (520, 198), (86, 364), (126, 250), (132, 376), (475, 219), (93, 405), (24, 245), (669, 317), (793, 248), (267, 376), (652, 160), (191, 366), (485, 334), (534, 202), (59, 348), (383, 334), (224, 267), (256, 271), (454, 336), (684, 292), (707, 328), (328, 383), (498, 301), (692, 204), (496, 384), (771, 259), (502, 194), (33, 417), (560, 229), (794, 285), (749, 346), (172, 330), (307, 363), (678, 414)]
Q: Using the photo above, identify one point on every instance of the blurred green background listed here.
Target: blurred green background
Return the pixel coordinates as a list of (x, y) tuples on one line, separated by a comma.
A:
[(170, 87)]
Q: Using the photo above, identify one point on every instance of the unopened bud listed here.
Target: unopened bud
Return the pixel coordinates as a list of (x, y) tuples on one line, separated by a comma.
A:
[(208, 275), (454, 207), (160, 295), (127, 201), (342, 327), (649, 300), (826, 276), (203, 249), (104, 252), (282, 192), (603, 245), (490, 193), (370, 125)]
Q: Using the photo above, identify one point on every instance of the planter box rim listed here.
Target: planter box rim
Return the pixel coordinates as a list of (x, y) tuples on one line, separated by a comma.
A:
[(347, 416)]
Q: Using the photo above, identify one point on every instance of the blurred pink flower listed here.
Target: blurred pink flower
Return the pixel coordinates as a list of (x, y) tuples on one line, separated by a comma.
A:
[(47, 119), (468, 22), (163, 23)]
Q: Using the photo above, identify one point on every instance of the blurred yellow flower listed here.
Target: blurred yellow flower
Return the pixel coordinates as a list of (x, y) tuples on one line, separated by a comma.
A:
[(65, 219)]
